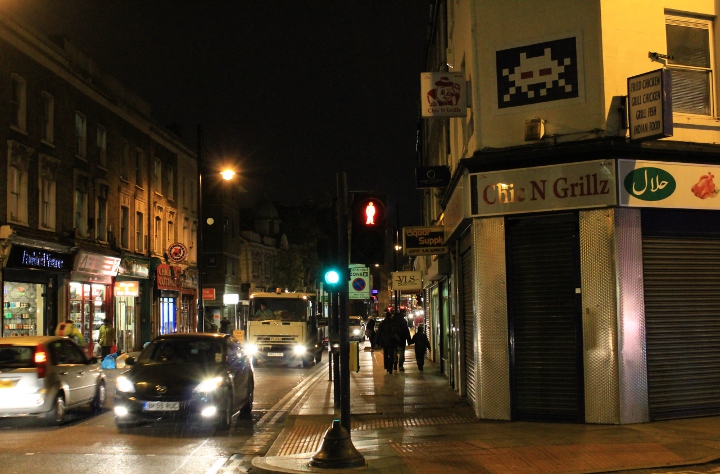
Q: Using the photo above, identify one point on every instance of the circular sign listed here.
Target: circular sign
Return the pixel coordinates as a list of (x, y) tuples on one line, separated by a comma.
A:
[(358, 284), (177, 252)]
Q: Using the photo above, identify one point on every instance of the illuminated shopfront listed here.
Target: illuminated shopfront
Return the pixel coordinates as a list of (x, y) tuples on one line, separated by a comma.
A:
[(31, 277)]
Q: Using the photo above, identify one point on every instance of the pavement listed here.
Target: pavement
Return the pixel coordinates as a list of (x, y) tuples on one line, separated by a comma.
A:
[(414, 422)]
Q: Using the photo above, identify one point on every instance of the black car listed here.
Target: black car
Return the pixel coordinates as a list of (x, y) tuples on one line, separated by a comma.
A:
[(199, 376)]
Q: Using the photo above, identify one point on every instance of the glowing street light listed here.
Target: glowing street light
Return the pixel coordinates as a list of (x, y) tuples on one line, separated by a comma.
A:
[(227, 174)]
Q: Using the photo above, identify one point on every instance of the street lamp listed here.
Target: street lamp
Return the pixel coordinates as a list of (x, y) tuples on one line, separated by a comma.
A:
[(227, 175)]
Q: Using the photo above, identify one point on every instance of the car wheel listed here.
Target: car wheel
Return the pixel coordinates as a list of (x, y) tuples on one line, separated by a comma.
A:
[(225, 416), (98, 402), (318, 356), (56, 415), (246, 410)]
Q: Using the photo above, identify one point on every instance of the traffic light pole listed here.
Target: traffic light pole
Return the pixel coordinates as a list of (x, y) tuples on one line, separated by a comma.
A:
[(343, 291)]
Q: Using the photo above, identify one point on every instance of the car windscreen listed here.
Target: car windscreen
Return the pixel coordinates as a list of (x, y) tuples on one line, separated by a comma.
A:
[(183, 352), (17, 357), (263, 309)]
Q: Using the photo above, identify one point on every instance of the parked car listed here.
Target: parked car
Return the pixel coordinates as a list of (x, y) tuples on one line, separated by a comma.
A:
[(190, 377), (357, 329), (46, 376)]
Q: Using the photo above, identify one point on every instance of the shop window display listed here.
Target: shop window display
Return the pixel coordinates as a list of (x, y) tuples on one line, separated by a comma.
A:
[(22, 309), (87, 308)]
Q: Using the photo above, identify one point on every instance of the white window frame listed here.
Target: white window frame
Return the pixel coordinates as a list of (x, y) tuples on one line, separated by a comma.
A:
[(125, 227), (47, 118), (80, 135), (139, 231), (170, 181), (705, 24), (139, 165), (101, 213), (101, 139), (18, 102), (157, 235), (157, 176), (47, 192), (18, 165), (80, 205), (125, 160)]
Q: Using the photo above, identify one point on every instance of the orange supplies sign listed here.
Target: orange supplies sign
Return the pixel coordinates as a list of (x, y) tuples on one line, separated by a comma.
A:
[(208, 293), (127, 288)]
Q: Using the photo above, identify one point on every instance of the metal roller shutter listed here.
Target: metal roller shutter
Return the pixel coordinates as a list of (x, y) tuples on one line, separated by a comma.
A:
[(546, 336), (682, 318), (469, 326)]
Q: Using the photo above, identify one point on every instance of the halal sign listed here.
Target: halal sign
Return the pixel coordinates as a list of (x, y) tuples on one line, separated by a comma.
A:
[(177, 252)]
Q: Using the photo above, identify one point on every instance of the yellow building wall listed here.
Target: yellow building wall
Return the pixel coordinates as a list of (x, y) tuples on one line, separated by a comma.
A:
[(614, 38)]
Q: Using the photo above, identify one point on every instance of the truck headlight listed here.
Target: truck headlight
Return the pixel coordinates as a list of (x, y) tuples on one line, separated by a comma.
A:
[(299, 350), (251, 349)]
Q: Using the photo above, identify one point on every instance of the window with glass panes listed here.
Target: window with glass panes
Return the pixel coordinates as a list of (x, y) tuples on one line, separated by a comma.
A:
[(690, 64)]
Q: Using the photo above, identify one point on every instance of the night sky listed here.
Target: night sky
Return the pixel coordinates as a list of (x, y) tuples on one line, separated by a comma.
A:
[(292, 92)]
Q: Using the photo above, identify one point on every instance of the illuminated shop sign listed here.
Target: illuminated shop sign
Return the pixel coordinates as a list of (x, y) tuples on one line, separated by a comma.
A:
[(37, 258)]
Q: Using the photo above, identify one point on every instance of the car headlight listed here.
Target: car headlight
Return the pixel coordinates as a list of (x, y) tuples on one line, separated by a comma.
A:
[(209, 385), (299, 350), (251, 349), (356, 332), (123, 384)]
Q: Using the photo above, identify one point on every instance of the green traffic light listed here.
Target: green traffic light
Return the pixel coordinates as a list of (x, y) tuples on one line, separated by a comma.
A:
[(332, 277)]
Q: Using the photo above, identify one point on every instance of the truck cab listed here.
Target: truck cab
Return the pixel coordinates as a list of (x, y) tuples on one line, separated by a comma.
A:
[(283, 328)]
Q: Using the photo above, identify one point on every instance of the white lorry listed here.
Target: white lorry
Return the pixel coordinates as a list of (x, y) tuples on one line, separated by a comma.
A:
[(283, 327)]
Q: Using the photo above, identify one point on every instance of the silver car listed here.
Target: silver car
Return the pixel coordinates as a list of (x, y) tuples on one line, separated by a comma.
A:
[(47, 375)]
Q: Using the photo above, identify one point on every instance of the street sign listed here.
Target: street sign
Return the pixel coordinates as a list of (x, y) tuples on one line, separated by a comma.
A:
[(359, 285)]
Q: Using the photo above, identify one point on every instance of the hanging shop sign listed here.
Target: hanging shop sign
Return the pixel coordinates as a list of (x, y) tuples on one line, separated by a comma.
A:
[(406, 281), (134, 268), (424, 241), (95, 263), (127, 288), (167, 277), (208, 293), (177, 252), (443, 94), (668, 185), (545, 188), (432, 176), (28, 257), (650, 105)]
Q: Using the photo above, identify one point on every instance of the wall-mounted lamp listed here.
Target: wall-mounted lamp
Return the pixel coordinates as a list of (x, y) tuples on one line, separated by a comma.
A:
[(534, 129), (658, 56)]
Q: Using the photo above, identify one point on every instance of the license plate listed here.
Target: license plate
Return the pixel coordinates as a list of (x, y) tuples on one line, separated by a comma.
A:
[(7, 383), (161, 406), (275, 354)]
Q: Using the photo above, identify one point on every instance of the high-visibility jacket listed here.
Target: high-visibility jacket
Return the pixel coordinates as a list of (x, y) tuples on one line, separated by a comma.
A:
[(69, 330)]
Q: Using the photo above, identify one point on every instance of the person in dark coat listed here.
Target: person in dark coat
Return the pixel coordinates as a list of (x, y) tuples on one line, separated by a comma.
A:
[(225, 325), (403, 333), (384, 338), (421, 346)]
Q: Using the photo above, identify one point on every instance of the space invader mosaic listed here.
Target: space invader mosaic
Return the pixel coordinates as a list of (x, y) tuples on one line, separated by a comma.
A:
[(535, 73)]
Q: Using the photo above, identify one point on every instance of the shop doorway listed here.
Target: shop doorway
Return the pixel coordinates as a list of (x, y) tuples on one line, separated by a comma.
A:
[(168, 322)]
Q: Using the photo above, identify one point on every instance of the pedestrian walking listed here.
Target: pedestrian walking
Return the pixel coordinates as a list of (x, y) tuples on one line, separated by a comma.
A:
[(370, 331), (403, 338), (384, 337), (422, 345)]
